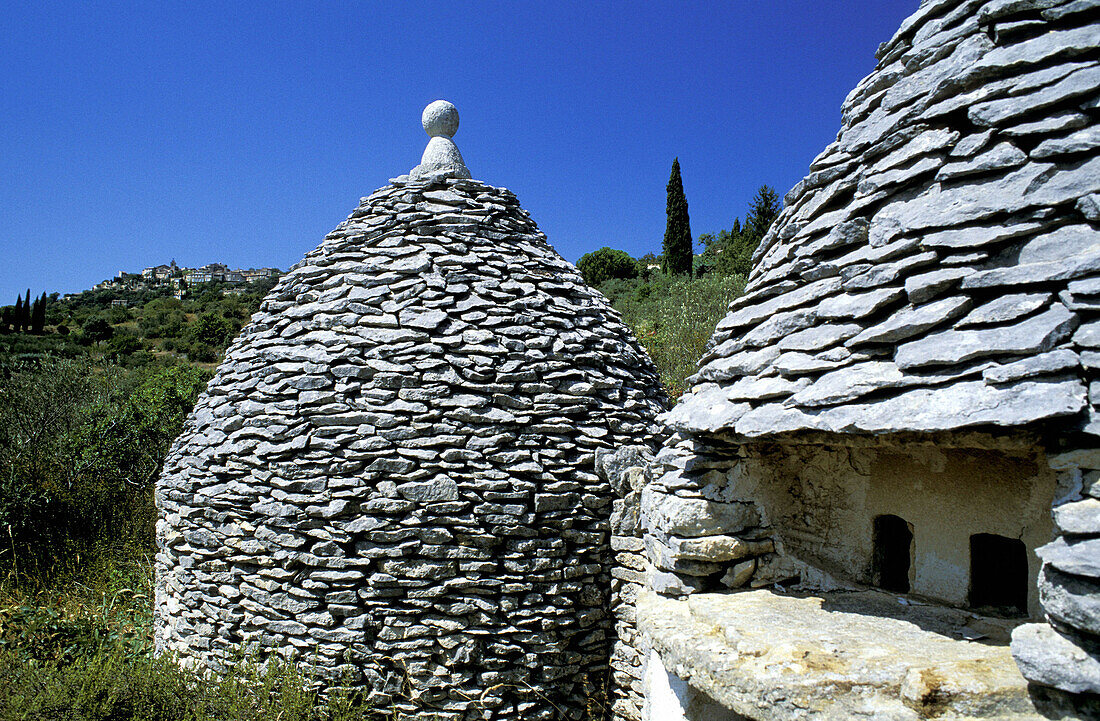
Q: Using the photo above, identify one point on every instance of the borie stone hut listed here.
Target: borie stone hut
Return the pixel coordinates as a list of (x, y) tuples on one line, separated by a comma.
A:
[(391, 473), (889, 463)]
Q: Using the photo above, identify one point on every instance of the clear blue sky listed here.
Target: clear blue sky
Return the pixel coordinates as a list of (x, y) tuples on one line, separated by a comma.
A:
[(243, 132)]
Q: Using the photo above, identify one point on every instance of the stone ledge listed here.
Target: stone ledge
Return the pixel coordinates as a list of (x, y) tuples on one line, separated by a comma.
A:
[(844, 655)]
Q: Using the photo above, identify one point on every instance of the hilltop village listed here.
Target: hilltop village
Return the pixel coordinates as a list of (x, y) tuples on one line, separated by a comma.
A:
[(180, 279)]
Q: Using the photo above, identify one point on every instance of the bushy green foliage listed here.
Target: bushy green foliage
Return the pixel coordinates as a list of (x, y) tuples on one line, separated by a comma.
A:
[(79, 448), (606, 263), (674, 318), (97, 329), (677, 246), (211, 329), (729, 252)]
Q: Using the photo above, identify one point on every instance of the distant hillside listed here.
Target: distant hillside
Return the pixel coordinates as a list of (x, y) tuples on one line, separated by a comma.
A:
[(134, 324)]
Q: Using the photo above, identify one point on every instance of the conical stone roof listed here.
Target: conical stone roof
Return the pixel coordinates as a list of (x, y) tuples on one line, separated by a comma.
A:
[(939, 266), (392, 469)]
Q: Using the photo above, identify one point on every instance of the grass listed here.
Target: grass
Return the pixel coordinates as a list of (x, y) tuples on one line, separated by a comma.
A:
[(86, 654)]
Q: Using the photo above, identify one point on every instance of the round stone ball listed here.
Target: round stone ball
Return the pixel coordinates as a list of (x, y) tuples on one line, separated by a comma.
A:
[(440, 118)]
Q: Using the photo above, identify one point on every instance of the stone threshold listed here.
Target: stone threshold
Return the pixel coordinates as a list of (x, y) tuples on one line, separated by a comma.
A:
[(837, 655)]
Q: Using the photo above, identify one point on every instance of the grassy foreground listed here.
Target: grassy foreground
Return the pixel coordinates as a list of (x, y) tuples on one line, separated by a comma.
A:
[(86, 654)]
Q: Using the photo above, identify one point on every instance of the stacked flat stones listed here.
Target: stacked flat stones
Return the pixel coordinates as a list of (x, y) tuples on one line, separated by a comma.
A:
[(628, 470), (391, 475), (938, 270)]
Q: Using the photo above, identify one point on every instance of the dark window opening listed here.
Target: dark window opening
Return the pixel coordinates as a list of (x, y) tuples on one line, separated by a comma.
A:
[(998, 574), (893, 552)]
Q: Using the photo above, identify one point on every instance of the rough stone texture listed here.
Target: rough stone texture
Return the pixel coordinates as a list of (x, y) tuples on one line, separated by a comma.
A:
[(441, 156), (392, 472), (934, 279), (841, 656), (1053, 659), (1017, 187), (627, 470)]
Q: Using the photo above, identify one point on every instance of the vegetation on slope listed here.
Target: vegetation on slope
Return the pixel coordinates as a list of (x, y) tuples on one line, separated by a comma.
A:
[(674, 314), (92, 393)]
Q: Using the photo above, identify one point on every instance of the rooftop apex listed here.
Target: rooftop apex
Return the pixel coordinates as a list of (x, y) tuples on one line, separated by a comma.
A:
[(441, 158)]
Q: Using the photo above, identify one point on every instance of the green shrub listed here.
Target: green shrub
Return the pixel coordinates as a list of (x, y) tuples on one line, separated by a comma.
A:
[(80, 447), (604, 264), (674, 318)]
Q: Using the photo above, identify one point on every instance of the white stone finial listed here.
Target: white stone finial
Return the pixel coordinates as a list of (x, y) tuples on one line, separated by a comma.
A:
[(441, 158), (440, 118)]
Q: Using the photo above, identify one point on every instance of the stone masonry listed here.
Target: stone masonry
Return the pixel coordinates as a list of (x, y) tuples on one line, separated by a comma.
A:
[(934, 279), (391, 474)]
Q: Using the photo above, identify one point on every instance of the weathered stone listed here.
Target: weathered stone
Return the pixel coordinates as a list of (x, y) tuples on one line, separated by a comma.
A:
[(718, 548), (819, 336), (1083, 141), (755, 389), (1054, 123), (707, 409), (1076, 84), (910, 321), (439, 489), (1078, 557), (739, 574), (1089, 206), (1035, 335), (1059, 361), (857, 305), (1081, 518), (926, 286), (977, 236), (992, 233), (399, 451), (1050, 658), (999, 157), (691, 517), (849, 383), (1088, 335), (671, 584), (971, 144), (847, 655), (1006, 308), (958, 406), (739, 364), (795, 364), (754, 314)]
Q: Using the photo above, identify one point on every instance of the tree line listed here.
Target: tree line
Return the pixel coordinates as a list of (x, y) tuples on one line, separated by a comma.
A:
[(726, 252), (673, 301), (26, 316)]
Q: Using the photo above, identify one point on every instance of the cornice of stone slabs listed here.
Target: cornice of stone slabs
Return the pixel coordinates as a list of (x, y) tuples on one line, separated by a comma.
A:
[(939, 267)]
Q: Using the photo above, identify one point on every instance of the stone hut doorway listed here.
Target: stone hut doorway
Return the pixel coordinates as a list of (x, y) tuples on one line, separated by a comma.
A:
[(998, 574), (893, 553)]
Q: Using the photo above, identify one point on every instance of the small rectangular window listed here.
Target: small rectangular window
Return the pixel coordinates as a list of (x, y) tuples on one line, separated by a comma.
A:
[(998, 574)]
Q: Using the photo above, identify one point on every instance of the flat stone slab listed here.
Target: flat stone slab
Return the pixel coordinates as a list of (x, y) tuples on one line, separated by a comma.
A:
[(838, 656)]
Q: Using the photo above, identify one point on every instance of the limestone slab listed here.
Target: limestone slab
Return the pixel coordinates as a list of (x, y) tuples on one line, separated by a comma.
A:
[(832, 657)]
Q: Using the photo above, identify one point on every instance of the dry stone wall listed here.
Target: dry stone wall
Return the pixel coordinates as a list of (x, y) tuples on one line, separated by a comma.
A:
[(628, 471), (937, 272), (392, 472)]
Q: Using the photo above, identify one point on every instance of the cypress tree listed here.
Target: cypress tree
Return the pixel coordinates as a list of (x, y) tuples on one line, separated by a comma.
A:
[(677, 248), (38, 316), (27, 311), (17, 319)]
